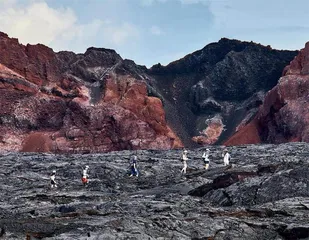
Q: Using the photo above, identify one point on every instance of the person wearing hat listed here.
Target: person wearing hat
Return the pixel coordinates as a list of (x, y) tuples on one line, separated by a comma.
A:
[(52, 179), (184, 160), (206, 158), (85, 175), (226, 157)]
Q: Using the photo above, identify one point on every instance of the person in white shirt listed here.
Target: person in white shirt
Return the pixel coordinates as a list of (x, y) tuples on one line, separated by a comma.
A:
[(52, 179), (184, 160), (226, 157), (206, 158), (85, 175)]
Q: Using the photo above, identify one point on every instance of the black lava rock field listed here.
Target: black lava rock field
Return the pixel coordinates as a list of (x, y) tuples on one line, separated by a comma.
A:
[(262, 194)]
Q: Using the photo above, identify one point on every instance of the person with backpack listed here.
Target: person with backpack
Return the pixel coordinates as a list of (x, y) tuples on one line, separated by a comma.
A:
[(85, 175), (184, 160), (206, 158), (133, 167), (226, 157), (52, 179)]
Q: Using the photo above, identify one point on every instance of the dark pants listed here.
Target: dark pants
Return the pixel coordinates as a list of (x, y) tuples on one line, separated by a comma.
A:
[(134, 171)]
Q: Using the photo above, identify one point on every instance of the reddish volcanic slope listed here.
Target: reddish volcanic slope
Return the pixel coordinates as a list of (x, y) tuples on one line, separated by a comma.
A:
[(66, 102), (284, 115), (98, 102)]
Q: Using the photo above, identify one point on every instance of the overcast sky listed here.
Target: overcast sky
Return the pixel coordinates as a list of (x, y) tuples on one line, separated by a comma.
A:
[(153, 31)]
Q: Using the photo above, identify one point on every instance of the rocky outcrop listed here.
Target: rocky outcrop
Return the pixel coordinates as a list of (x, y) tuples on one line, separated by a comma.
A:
[(225, 80), (284, 115), (37, 63), (210, 135), (262, 195), (66, 102), (98, 102)]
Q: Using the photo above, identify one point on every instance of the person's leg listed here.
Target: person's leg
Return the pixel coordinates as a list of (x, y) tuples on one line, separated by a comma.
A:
[(52, 184), (183, 170), (132, 172), (84, 181)]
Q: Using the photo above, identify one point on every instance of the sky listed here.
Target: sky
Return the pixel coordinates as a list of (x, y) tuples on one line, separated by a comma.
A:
[(154, 31)]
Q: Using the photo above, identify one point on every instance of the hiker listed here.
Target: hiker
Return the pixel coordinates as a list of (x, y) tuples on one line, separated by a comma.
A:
[(52, 179), (133, 167), (184, 160), (85, 175), (226, 157), (206, 158)]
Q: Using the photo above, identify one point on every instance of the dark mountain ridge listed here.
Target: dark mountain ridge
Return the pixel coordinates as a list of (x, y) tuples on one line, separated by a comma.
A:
[(221, 81)]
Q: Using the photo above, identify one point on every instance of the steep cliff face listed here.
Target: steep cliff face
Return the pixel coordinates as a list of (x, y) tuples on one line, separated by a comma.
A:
[(98, 102), (211, 93), (284, 115), (66, 102)]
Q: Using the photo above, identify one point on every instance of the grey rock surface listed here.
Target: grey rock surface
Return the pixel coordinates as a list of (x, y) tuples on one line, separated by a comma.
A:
[(262, 194)]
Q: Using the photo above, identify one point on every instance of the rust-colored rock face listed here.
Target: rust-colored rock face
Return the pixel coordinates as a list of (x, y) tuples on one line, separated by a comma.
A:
[(284, 115), (212, 132), (97, 102), (68, 103), (248, 134), (37, 63), (300, 65)]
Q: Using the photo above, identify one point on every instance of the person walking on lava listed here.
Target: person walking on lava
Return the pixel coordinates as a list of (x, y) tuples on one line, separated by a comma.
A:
[(226, 157), (184, 160), (85, 176), (206, 158)]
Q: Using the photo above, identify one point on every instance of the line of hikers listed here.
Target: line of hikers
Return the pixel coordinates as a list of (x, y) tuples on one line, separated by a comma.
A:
[(226, 159), (134, 171), (85, 176)]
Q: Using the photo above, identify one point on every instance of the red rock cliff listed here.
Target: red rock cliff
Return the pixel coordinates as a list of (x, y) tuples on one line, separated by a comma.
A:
[(284, 115), (66, 102)]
